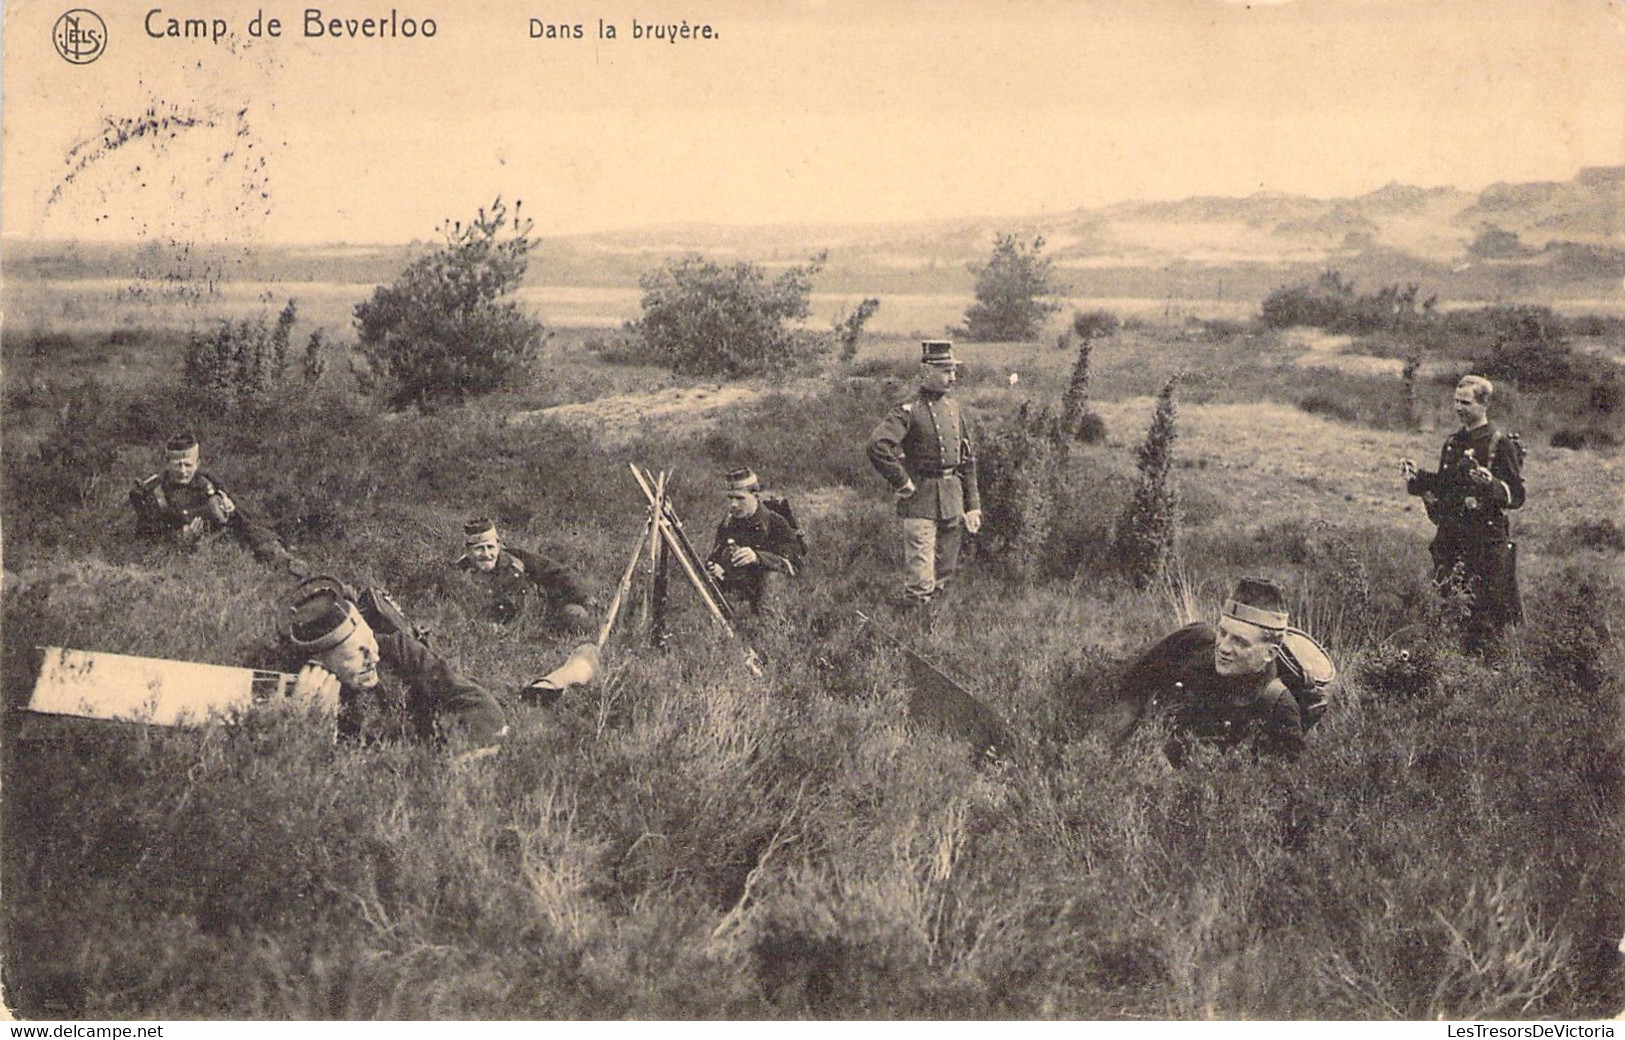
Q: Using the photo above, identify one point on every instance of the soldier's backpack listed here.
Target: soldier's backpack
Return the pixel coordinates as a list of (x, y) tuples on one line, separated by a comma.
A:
[(1508, 438), (781, 505), (1308, 673)]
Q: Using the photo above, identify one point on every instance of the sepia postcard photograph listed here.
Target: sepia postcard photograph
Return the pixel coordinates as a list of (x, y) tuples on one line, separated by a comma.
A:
[(618, 511)]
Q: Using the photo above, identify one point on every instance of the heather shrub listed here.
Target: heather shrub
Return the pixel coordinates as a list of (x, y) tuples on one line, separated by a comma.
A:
[(685, 840), (247, 362), (701, 317), (1332, 303)]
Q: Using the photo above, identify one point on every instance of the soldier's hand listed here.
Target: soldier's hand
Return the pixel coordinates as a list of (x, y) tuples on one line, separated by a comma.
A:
[(714, 568), (191, 532), (743, 556), (316, 685), (221, 507), (973, 520), (1480, 475), (1407, 468), (906, 491)]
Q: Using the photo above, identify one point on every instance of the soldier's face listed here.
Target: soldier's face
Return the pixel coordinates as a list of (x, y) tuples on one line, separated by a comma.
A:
[(938, 378), (1242, 649), (180, 470), (1470, 411), (484, 552), (741, 504), (355, 661)]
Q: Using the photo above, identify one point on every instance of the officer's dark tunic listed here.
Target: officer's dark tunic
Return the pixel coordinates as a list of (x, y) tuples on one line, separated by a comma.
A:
[(164, 508), (777, 551), (1474, 533), (518, 575), (420, 696), (927, 441), (1177, 677)]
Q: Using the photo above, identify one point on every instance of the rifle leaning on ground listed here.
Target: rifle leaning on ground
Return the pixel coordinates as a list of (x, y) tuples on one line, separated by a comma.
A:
[(662, 535)]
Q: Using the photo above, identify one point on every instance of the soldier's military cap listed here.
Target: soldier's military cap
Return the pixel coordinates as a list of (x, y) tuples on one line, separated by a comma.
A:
[(321, 619), (1260, 602), (477, 529), (181, 446), (938, 352)]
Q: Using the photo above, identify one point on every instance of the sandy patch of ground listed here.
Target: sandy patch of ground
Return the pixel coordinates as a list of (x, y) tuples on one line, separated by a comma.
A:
[(1271, 461), (1315, 341), (618, 418), (1353, 364), (1320, 349)]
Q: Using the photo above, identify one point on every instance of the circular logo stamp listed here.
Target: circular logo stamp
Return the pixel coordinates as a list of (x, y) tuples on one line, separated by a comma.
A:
[(80, 36)]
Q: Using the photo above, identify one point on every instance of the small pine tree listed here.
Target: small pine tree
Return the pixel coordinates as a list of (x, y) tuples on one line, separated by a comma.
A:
[(1075, 403), (1017, 468), (1008, 288), (443, 329), (1150, 524), (1407, 378), (315, 361), (850, 328)]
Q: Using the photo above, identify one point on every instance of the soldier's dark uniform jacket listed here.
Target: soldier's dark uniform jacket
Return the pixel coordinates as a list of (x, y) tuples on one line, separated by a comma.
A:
[(164, 508), (520, 574), (1473, 529), (1177, 676), (419, 695), (777, 551), (927, 440)]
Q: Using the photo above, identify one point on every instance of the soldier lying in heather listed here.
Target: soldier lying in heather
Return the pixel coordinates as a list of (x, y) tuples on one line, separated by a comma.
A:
[(183, 505)]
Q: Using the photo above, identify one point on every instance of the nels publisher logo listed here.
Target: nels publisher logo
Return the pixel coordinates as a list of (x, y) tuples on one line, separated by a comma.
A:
[(80, 36)]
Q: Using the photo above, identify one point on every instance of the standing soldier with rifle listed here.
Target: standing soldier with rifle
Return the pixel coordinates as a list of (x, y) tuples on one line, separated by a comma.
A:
[(923, 450), (1480, 477)]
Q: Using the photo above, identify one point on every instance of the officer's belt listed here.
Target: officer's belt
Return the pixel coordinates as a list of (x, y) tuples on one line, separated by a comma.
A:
[(934, 471)]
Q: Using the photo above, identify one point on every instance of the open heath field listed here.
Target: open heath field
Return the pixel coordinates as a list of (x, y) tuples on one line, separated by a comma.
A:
[(686, 839)]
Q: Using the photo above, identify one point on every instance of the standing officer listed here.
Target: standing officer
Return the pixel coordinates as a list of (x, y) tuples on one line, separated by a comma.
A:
[(514, 575), (182, 504), (1480, 477), (923, 449), (752, 543)]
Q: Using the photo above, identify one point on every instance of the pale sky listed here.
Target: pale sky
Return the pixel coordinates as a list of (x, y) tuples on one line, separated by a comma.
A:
[(801, 111)]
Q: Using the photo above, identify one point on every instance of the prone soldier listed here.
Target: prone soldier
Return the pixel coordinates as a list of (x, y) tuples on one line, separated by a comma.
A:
[(1480, 478), (387, 682), (753, 542), (515, 576), (182, 504), (1224, 685), (923, 449)]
